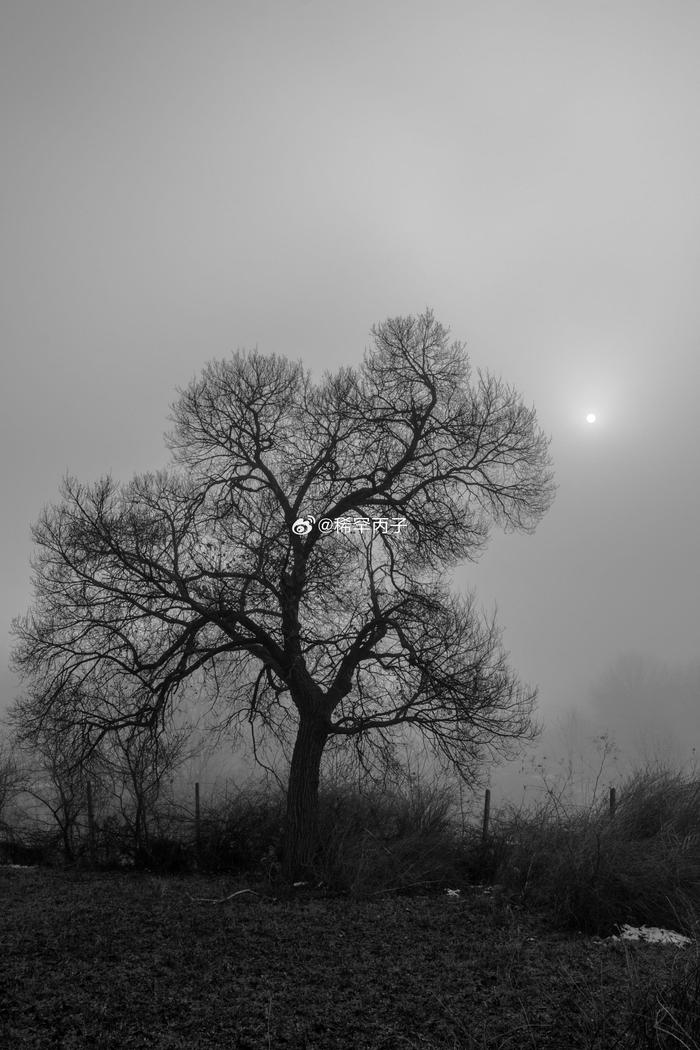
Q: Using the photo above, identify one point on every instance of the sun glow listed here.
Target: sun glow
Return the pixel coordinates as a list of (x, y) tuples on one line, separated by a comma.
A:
[(590, 418)]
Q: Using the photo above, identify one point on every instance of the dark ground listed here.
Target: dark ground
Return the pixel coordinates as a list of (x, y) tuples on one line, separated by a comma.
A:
[(121, 961)]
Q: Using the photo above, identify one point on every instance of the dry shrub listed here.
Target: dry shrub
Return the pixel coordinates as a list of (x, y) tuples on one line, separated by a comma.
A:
[(596, 872), (401, 839), (241, 833)]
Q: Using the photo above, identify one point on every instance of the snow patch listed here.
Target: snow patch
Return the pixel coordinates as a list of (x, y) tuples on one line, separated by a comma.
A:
[(651, 935)]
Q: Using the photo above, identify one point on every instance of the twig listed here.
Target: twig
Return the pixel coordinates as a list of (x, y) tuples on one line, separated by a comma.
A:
[(221, 900), (407, 885)]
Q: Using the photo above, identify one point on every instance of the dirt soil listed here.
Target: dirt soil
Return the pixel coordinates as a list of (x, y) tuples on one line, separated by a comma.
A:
[(121, 961)]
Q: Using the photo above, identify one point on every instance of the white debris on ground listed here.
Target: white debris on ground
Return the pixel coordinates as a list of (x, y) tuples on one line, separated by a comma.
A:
[(651, 935), (646, 934)]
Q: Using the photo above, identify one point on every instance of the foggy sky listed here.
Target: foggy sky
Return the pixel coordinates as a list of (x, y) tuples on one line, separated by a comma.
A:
[(180, 180)]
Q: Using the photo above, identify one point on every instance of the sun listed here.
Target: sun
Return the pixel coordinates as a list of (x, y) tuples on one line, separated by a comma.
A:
[(590, 418)]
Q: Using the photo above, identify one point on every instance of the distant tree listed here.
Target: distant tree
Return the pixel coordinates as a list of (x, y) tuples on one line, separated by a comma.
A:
[(11, 785), (138, 761), (206, 575), (57, 771)]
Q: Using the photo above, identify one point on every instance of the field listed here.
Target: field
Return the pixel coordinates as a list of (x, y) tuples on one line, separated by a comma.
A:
[(122, 961)]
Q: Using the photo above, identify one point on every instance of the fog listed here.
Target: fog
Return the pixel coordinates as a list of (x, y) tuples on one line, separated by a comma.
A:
[(181, 180)]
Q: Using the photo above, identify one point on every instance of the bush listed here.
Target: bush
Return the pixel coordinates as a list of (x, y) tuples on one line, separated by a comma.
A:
[(371, 841), (640, 867), (32, 850), (166, 855), (243, 834), (400, 840)]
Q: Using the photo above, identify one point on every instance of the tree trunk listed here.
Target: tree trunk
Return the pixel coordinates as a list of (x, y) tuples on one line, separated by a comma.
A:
[(66, 826), (301, 829)]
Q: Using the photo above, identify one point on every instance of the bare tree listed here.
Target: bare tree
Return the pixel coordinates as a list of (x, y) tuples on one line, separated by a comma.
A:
[(57, 775), (137, 762), (12, 779), (213, 573)]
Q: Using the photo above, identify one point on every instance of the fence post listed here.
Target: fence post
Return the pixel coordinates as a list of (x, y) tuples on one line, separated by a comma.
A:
[(196, 821), (91, 826), (487, 811), (612, 802), (461, 808)]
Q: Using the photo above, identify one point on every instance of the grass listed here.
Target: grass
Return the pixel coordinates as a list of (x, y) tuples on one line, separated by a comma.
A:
[(375, 955), (594, 872), (135, 960)]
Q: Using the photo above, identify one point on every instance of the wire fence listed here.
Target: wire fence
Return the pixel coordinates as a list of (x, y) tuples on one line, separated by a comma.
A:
[(186, 818)]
